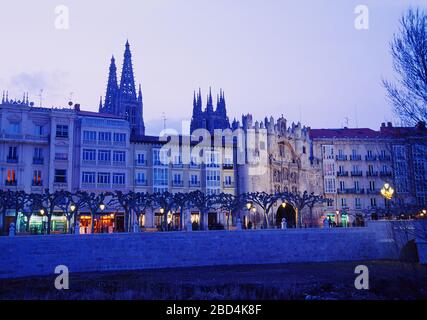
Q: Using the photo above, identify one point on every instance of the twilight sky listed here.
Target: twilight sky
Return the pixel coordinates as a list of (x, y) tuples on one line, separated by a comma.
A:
[(303, 59)]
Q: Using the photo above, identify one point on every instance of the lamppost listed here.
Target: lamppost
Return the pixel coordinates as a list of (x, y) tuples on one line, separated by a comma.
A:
[(254, 216), (42, 212), (72, 209), (249, 207), (338, 216), (387, 192)]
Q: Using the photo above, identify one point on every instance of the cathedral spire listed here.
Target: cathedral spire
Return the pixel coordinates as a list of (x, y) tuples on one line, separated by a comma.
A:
[(100, 103), (139, 93), (209, 105), (127, 82), (112, 89)]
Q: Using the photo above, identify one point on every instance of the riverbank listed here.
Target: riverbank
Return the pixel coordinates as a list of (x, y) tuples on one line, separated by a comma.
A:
[(301, 281)]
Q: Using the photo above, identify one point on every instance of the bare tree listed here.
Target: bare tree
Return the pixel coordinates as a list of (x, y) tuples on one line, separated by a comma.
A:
[(409, 53)]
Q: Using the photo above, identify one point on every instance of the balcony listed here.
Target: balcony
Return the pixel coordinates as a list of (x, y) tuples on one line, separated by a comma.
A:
[(385, 174), (356, 173), (370, 158), (89, 162), (104, 142), (10, 183), (140, 182), (89, 142), (341, 157), (12, 159), (119, 143), (384, 158), (37, 183), (372, 173), (342, 173), (177, 165), (194, 184), (104, 162), (373, 191), (355, 157), (351, 191), (228, 166), (177, 184), (119, 163), (88, 185), (194, 165), (140, 163), (38, 160)]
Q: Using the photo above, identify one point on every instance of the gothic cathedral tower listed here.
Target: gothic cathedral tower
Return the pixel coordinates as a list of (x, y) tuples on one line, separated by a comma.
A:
[(123, 100)]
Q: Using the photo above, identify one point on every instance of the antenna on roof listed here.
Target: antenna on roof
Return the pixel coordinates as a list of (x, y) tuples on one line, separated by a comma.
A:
[(164, 120), (41, 97), (346, 121), (70, 99)]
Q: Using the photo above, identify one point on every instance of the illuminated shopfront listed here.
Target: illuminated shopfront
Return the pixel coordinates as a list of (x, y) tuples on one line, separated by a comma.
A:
[(39, 224)]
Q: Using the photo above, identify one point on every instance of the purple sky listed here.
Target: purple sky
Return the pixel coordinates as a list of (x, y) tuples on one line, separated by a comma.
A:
[(302, 59)]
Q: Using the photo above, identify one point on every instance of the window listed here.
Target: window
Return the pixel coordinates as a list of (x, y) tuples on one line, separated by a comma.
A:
[(89, 155), (356, 185), (330, 202), (140, 177), (212, 159), (343, 202), (328, 152), (372, 185), (160, 176), (342, 185), (104, 155), (13, 153), (119, 178), (357, 203), (212, 178), (60, 176), (119, 137), (227, 181), (61, 156), (303, 150), (14, 128), (194, 179), (140, 158), (160, 157), (11, 176), (89, 136), (88, 177), (330, 185), (373, 202), (104, 136), (38, 130), (61, 131), (38, 153), (119, 156), (177, 178), (103, 178), (37, 178), (329, 169)]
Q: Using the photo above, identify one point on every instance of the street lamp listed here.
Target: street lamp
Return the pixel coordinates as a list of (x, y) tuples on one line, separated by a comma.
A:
[(387, 191), (162, 210), (102, 207), (283, 205), (249, 205), (42, 212), (73, 207)]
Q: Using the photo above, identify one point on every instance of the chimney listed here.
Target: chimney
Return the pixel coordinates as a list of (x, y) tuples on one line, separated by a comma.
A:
[(382, 124), (77, 107), (389, 124)]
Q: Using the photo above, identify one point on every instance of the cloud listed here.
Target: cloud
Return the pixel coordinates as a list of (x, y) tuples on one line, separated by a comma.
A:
[(53, 84)]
